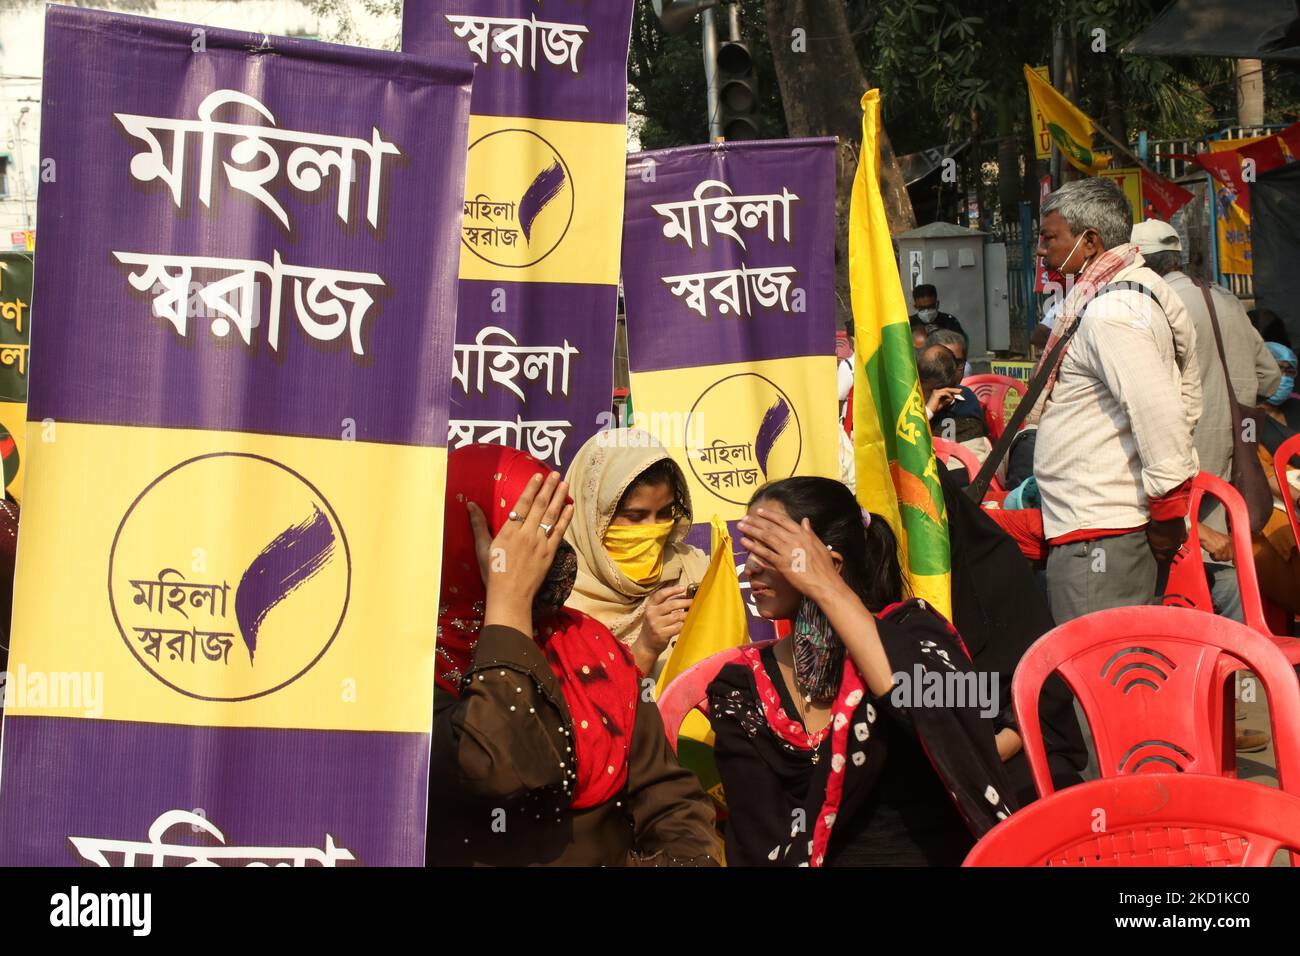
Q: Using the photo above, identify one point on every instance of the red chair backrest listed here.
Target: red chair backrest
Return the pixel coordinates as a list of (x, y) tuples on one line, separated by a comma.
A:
[(1187, 586), (1281, 458), (944, 450), (1164, 819), (992, 390), (690, 690), (1148, 679)]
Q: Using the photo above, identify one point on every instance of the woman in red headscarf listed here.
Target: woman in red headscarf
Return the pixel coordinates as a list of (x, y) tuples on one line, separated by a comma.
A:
[(545, 751)]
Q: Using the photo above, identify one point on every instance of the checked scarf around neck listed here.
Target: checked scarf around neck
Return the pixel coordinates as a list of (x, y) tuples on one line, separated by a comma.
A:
[(1098, 272)]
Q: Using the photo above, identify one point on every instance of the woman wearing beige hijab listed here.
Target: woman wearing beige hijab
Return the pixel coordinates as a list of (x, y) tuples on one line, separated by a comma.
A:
[(632, 511)]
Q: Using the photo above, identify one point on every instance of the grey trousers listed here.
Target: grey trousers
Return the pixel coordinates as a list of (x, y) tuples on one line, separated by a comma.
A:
[(1096, 575), (1225, 593)]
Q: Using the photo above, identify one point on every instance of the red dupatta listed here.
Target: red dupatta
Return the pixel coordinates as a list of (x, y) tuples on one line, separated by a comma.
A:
[(599, 680), (796, 734)]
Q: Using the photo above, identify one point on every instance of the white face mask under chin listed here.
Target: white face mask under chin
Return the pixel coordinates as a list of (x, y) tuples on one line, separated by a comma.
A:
[(1082, 266)]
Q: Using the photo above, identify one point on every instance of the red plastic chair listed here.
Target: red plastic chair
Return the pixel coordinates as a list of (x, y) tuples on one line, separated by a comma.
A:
[(1281, 459), (945, 450), (1151, 682), (1162, 819), (1188, 586), (992, 390), (689, 690)]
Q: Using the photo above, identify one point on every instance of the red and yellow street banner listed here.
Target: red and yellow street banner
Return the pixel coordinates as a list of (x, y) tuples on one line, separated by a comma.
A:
[(1129, 180)]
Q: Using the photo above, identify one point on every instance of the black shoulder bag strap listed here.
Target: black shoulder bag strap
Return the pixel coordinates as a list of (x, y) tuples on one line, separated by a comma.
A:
[(979, 486)]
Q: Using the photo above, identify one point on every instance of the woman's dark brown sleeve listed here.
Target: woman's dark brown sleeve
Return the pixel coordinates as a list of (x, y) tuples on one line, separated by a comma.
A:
[(509, 733), (671, 816)]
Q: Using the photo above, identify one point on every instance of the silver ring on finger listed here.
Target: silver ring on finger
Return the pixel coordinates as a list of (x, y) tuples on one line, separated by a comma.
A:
[(515, 516), (546, 528)]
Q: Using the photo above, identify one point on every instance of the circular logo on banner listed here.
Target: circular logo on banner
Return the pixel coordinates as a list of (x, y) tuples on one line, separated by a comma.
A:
[(742, 431), (518, 199), (223, 605)]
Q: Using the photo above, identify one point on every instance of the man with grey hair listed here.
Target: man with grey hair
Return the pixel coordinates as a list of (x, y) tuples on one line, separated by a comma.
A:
[(1114, 457), (954, 342)]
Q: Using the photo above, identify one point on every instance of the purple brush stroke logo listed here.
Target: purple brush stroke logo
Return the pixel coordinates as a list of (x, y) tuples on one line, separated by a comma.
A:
[(743, 430), (543, 189), (295, 556), (514, 215), (775, 421)]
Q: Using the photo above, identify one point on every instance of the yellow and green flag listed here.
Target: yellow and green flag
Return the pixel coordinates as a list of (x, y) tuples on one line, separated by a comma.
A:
[(1071, 129), (894, 456), (716, 622)]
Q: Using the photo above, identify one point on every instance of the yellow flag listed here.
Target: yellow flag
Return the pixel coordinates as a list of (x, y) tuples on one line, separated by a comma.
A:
[(1231, 220), (716, 622), (1071, 129), (897, 476)]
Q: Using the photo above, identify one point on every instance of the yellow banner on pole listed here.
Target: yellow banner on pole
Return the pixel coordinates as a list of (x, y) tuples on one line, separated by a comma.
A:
[(1038, 122), (1070, 128), (1129, 180)]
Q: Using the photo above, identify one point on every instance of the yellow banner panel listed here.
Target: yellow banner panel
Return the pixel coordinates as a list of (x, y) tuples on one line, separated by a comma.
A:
[(273, 619)]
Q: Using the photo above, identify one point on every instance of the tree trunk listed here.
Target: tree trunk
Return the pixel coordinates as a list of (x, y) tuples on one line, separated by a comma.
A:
[(1250, 93), (822, 83)]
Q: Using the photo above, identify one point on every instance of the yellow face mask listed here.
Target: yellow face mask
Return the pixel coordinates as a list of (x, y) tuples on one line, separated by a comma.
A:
[(638, 549)]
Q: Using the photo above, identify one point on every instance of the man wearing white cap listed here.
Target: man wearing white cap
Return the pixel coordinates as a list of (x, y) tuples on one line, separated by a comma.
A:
[(1253, 369), (1254, 373)]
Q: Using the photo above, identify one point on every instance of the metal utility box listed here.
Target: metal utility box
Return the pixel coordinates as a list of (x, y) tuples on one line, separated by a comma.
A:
[(950, 258)]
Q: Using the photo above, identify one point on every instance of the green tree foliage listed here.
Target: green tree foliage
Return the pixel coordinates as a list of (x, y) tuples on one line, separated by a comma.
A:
[(937, 48), (961, 60), (341, 20), (1170, 98), (945, 65)]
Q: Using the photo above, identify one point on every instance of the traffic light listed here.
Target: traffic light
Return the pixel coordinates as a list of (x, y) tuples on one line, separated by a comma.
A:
[(737, 90)]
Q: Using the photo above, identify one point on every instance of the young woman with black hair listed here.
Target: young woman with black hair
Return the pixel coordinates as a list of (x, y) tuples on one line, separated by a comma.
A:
[(829, 751)]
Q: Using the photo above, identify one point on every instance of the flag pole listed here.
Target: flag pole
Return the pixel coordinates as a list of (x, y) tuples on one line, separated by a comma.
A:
[(1123, 150)]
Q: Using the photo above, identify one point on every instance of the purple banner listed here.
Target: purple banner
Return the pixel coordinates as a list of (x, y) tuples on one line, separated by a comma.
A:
[(728, 283), (558, 59), (181, 809), (729, 253), (360, 271), (532, 375), (543, 202), (223, 653)]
